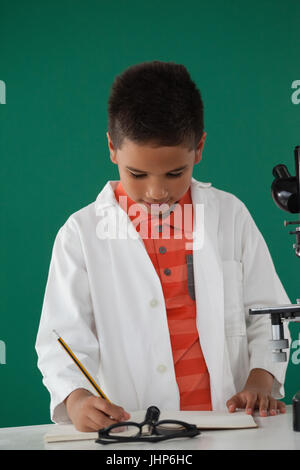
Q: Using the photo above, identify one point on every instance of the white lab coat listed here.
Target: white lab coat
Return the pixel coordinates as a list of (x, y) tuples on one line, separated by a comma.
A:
[(105, 299)]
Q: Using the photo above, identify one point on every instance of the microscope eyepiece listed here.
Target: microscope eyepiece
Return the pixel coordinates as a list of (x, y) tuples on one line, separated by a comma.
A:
[(281, 171)]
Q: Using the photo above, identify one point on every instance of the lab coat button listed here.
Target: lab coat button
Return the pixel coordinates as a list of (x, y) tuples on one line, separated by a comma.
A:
[(153, 303), (161, 368)]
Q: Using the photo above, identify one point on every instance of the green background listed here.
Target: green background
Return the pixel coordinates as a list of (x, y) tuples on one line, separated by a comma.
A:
[(58, 60)]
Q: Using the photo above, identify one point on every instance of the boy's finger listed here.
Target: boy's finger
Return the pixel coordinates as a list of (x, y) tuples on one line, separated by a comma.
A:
[(250, 403), (233, 403), (281, 406), (98, 420), (263, 406), (115, 412), (273, 406)]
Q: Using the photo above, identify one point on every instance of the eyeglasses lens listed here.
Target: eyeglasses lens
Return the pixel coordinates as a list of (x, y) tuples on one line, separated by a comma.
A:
[(124, 431)]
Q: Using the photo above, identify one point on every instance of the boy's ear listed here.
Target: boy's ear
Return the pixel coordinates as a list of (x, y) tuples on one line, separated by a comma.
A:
[(199, 149), (111, 149)]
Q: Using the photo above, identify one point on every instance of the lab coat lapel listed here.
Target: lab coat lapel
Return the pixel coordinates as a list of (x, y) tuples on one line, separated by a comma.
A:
[(209, 292)]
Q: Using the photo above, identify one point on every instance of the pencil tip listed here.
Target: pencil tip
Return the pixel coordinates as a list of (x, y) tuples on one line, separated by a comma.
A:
[(55, 332)]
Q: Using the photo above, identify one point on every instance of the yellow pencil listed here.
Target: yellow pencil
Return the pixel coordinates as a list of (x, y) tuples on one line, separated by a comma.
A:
[(80, 366)]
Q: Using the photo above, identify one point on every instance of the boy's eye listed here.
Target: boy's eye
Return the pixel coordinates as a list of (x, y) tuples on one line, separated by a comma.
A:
[(172, 175)]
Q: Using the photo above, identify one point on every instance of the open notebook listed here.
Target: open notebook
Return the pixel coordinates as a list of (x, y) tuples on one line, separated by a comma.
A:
[(202, 419)]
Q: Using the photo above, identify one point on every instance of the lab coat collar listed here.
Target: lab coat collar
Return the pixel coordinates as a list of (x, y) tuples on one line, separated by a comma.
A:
[(107, 205)]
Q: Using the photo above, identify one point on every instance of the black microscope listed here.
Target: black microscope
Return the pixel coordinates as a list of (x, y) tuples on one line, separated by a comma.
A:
[(285, 192)]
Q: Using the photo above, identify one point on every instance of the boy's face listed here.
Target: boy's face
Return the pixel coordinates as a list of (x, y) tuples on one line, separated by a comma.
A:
[(161, 178)]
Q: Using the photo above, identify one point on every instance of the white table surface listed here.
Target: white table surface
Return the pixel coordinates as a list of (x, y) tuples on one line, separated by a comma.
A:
[(273, 432)]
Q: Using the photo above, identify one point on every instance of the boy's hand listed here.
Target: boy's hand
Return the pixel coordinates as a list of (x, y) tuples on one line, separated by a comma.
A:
[(253, 399), (257, 394), (89, 413)]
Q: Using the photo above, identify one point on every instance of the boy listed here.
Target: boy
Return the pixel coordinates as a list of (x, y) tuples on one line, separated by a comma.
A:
[(150, 285)]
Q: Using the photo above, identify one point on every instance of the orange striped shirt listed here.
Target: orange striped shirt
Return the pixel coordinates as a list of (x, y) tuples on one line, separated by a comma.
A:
[(168, 241)]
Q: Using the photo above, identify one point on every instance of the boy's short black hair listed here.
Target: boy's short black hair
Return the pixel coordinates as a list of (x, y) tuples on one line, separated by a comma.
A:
[(155, 103)]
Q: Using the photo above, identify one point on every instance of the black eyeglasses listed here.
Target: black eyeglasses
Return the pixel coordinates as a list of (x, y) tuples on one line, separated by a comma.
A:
[(150, 430)]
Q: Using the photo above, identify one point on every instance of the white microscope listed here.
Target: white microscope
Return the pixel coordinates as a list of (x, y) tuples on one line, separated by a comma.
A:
[(285, 191)]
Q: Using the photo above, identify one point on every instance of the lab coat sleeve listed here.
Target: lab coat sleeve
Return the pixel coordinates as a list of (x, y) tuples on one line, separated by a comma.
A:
[(261, 287), (67, 308)]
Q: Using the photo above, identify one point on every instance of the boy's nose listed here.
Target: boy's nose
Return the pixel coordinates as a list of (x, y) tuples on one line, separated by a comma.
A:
[(157, 197)]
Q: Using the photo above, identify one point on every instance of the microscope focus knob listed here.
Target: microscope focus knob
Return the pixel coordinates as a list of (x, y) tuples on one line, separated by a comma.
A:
[(279, 356), (278, 344)]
